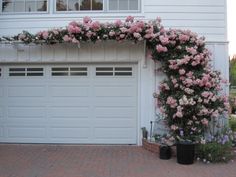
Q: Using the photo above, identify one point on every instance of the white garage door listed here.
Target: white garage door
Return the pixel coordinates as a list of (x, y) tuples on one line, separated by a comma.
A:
[(94, 104)]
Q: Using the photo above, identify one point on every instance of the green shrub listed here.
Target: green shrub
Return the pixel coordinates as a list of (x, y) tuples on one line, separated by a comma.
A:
[(214, 152), (217, 148), (232, 124), (232, 102)]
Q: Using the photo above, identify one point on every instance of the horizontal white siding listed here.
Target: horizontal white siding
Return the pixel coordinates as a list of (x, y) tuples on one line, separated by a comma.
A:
[(206, 17)]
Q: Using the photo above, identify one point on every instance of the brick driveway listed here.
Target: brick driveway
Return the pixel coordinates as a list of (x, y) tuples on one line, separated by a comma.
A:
[(98, 161)]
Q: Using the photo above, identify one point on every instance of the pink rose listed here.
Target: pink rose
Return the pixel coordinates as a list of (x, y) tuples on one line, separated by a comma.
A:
[(95, 26), (87, 19), (174, 81), (137, 35), (164, 40), (118, 23), (112, 33), (147, 36), (74, 40), (164, 87), (123, 30), (181, 71), (122, 36), (66, 38), (191, 50), (129, 19), (70, 29), (183, 38), (45, 34), (160, 48), (179, 114), (172, 102)]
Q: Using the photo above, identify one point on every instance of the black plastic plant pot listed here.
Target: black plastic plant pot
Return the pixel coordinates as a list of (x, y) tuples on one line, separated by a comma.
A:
[(185, 153), (165, 152)]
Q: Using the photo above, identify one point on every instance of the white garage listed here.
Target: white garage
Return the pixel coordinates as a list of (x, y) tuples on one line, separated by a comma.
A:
[(79, 103)]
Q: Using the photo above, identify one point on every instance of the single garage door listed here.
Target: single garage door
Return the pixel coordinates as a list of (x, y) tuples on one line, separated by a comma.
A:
[(87, 104)]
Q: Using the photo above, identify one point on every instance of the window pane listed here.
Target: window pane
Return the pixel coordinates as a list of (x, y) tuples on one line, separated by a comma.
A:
[(7, 6), (97, 4), (30, 6), (61, 5), (85, 5), (19, 6), (123, 5), (113, 5), (41, 5), (73, 5), (133, 5)]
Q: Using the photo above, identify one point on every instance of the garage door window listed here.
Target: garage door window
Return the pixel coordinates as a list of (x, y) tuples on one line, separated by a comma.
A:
[(69, 71), (25, 71), (113, 71)]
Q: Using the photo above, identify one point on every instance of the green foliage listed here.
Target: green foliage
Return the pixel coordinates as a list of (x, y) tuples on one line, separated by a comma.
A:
[(232, 71), (214, 152), (232, 124), (232, 102)]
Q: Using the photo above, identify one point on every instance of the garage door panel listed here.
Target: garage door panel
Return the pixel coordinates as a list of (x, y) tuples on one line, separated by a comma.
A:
[(26, 101), (70, 122), (69, 91), (1, 112), (1, 91), (116, 123), (68, 102), (26, 91), (113, 83), (62, 112), (114, 132), (111, 112), (104, 91), (115, 101), (33, 122), (75, 133), (26, 112), (26, 132), (1, 132)]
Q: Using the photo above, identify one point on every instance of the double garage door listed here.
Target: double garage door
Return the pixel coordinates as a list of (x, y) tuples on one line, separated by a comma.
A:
[(87, 104)]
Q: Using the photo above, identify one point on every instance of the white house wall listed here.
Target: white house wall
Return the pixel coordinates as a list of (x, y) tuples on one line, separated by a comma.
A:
[(220, 61), (206, 17)]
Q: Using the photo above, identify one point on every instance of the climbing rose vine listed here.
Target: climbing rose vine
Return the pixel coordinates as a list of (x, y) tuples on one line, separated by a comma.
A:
[(189, 97)]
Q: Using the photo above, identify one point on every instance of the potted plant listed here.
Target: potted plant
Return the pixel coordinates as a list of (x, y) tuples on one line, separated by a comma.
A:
[(185, 149)]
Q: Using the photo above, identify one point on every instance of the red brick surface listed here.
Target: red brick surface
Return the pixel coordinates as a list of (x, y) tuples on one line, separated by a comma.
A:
[(155, 147), (98, 161)]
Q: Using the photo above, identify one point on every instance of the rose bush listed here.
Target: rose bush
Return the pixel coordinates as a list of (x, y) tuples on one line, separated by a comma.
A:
[(189, 98)]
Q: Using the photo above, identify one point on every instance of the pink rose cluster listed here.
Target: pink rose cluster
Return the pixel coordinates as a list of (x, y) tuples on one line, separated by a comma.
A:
[(89, 30), (189, 98)]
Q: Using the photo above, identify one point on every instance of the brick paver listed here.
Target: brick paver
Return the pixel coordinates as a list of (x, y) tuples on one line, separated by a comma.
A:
[(98, 161)]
